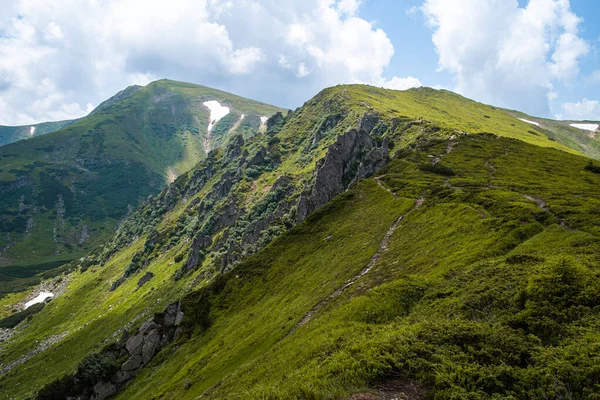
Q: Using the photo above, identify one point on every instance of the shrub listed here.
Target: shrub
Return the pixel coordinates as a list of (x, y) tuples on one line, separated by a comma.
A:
[(438, 169), (15, 319), (593, 168)]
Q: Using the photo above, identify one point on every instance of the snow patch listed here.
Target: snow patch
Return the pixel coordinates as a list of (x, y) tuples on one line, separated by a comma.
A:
[(529, 122), (39, 299), (586, 127), (31, 131), (217, 112)]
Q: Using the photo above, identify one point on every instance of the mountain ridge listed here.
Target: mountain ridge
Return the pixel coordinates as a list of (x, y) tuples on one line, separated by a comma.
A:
[(367, 237), (65, 191)]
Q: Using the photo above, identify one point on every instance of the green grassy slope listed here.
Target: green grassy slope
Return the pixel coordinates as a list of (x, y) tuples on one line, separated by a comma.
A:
[(63, 193), (11, 134), (586, 142), (454, 296), (479, 292)]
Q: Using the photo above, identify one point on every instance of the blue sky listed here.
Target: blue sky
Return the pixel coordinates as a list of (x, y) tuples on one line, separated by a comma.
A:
[(60, 58)]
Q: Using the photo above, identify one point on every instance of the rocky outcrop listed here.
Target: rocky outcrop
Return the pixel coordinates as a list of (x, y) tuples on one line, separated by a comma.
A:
[(354, 156), (144, 279), (139, 349)]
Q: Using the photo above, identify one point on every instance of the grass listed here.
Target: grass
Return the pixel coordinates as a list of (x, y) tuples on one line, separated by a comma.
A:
[(65, 192), (454, 301)]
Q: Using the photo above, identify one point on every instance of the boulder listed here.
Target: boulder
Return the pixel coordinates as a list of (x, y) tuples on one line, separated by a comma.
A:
[(179, 318), (147, 276), (148, 326), (102, 390), (122, 376), (134, 344), (170, 314), (133, 363), (151, 343)]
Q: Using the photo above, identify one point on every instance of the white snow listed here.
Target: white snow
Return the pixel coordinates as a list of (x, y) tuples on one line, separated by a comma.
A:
[(31, 130), (529, 122), (263, 120), (217, 112), (40, 298), (586, 127)]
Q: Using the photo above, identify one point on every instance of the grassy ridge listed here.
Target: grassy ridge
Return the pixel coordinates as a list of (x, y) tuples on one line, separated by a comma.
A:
[(61, 194), (453, 300), (11, 134), (480, 291)]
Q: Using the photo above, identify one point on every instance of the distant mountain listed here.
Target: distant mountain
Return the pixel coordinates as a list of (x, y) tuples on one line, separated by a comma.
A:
[(371, 244), (64, 192), (11, 134)]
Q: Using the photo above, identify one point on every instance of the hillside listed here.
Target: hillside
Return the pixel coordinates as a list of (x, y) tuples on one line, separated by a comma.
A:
[(11, 134), (63, 193), (369, 243)]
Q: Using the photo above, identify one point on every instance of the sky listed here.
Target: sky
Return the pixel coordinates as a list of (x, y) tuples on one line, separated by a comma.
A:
[(61, 58)]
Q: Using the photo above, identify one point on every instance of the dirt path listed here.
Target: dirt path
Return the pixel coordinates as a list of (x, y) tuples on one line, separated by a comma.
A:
[(383, 245), (381, 185), (538, 202)]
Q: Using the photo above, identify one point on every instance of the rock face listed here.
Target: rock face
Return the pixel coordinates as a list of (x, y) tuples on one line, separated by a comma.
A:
[(354, 156), (140, 348)]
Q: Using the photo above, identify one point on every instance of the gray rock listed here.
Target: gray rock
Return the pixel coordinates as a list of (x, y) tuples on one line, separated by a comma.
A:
[(151, 343), (122, 376), (179, 318), (133, 363), (148, 326), (102, 390), (134, 344), (341, 167), (144, 279), (170, 314)]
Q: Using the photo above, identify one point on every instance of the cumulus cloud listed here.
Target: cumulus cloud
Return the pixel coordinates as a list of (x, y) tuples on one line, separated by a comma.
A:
[(582, 110), (57, 56), (501, 53)]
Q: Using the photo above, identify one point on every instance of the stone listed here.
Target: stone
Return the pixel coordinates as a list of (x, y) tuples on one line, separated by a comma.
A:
[(179, 318), (102, 390), (151, 342), (134, 344), (171, 314), (148, 325), (133, 363), (147, 276), (122, 376)]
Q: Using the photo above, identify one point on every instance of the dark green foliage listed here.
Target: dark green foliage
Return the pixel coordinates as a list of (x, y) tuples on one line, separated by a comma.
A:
[(560, 294), (95, 368), (593, 168), (91, 370), (14, 319), (438, 169)]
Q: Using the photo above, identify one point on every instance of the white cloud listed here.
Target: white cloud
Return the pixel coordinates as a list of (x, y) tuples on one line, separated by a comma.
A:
[(57, 56), (594, 77), (400, 83), (582, 110), (504, 54)]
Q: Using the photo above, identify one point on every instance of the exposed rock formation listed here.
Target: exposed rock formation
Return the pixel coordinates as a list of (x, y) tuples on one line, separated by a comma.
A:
[(354, 156)]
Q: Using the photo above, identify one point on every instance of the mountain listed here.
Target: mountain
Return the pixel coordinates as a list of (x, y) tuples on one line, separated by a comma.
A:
[(370, 244), (11, 134), (65, 192), (583, 136)]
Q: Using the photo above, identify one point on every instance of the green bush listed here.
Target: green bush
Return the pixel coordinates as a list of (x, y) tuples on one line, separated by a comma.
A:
[(15, 319), (437, 169), (593, 168)]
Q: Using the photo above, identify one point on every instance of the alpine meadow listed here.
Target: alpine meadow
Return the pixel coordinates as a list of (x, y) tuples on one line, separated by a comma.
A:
[(378, 239)]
